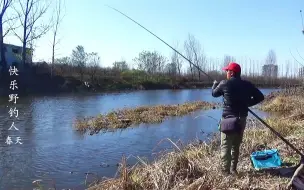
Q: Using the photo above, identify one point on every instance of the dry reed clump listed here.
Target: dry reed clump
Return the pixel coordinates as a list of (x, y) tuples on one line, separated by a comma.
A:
[(285, 100), (283, 104), (197, 166), (295, 91), (145, 114), (289, 107)]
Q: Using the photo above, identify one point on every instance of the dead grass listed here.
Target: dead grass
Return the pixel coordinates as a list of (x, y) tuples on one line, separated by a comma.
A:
[(145, 114), (285, 104), (284, 95), (289, 102), (196, 166)]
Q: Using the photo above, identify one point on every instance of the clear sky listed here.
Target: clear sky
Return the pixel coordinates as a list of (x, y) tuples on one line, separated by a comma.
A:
[(239, 28)]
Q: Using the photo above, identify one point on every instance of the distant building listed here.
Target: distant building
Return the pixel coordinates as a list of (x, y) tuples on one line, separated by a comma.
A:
[(301, 72), (13, 55), (270, 70)]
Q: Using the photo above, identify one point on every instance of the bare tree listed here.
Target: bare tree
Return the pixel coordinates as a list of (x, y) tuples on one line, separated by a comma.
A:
[(62, 65), (29, 13), (93, 64), (5, 4), (79, 59), (287, 69), (270, 69), (171, 69), (202, 62), (120, 65), (194, 54), (177, 60), (228, 59), (151, 62), (58, 19), (251, 72), (271, 57), (189, 55)]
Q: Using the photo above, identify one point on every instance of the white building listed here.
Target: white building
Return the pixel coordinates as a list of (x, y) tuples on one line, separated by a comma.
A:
[(13, 55), (270, 70)]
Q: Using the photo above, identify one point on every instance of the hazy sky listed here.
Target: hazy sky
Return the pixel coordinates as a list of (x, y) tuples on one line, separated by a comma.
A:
[(241, 28)]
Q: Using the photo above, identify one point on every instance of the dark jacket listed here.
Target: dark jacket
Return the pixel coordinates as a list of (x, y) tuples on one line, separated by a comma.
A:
[(238, 96)]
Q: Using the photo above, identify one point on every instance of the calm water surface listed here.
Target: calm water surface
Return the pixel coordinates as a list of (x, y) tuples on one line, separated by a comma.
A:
[(53, 151)]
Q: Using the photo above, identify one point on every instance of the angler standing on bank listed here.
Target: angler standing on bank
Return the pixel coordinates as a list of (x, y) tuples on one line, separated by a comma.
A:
[(238, 95)]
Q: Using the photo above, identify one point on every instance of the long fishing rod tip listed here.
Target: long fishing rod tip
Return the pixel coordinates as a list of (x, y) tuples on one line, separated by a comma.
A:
[(108, 6)]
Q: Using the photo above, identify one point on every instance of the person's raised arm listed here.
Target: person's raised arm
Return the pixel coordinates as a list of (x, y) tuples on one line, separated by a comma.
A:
[(256, 96), (217, 89)]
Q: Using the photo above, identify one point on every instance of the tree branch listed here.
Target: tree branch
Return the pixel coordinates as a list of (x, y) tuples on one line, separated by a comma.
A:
[(34, 20), (11, 28), (43, 31), (9, 19), (6, 4), (22, 8), (19, 16), (20, 38)]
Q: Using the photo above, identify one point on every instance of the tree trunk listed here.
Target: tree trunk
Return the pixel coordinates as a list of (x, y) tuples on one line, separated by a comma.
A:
[(53, 55), (2, 52), (24, 42), (23, 53), (24, 35), (81, 73), (191, 71), (199, 75)]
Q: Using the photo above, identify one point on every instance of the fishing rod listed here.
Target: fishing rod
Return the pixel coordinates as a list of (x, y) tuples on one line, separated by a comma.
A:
[(163, 42), (302, 21), (261, 120)]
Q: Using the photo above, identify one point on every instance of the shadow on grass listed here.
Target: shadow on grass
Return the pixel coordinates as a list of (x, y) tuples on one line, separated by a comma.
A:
[(286, 170)]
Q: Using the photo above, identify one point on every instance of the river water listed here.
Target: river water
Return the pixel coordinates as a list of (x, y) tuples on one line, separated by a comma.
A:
[(53, 151)]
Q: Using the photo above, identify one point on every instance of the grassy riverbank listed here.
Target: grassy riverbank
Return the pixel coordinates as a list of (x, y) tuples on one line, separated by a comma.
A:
[(145, 114), (196, 166)]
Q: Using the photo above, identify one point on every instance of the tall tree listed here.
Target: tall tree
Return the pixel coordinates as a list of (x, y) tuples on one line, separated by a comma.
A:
[(63, 61), (93, 61), (79, 59), (271, 68), (58, 19), (195, 54), (29, 12), (4, 5), (271, 57), (177, 60), (227, 60), (171, 69), (287, 69), (63, 65), (151, 62), (189, 54), (120, 65)]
